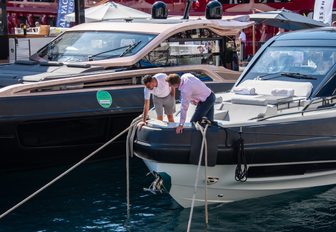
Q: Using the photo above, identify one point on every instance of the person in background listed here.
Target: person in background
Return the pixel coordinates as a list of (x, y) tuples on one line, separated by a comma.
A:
[(10, 26), (263, 35), (30, 21), (44, 20), (15, 21), (280, 31), (242, 39), (163, 96), (194, 91)]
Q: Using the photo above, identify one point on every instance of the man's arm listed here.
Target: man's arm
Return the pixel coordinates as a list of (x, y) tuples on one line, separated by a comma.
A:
[(185, 100), (173, 92), (145, 110)]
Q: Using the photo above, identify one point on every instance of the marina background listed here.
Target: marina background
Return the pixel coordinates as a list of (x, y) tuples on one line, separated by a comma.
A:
[(93, 198)]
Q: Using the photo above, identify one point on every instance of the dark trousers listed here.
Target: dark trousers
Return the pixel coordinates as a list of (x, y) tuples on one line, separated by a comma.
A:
[(205, 109), (242, 51)]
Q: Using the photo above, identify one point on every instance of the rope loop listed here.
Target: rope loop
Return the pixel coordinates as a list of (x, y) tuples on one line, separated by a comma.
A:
[(241, 173)]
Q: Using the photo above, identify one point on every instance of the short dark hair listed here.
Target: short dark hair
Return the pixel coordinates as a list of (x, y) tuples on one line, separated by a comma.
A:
[(146, 79), (173, 79)]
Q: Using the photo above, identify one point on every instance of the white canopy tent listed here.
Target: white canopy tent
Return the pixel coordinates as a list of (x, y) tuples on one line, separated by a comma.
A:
[(286, 19), (109, 10)]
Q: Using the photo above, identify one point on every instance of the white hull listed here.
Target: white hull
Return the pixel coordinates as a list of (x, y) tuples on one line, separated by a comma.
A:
[(227, 189)]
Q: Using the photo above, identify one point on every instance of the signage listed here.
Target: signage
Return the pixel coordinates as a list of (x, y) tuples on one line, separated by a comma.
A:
[(64, 7), (104, 98), (323, 11)]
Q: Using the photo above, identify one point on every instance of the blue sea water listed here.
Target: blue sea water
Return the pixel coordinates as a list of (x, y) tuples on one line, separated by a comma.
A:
[(93, 198)]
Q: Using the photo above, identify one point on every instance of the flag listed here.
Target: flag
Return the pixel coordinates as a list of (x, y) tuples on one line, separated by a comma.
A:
[(64, 7), (323, 10)]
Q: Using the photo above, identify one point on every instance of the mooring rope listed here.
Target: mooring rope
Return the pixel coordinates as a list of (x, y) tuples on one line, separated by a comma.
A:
[(206, 178), (66, 172), (129, 152), (204, 145)]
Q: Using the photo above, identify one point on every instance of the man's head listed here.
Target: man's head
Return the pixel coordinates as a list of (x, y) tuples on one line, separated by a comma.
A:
[(149, 82), (173, 80)]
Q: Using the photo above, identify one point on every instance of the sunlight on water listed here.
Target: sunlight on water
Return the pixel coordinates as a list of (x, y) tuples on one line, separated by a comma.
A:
[(93, 198)]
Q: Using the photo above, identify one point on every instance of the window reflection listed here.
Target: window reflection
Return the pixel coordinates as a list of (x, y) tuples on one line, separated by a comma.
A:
[(200, 46), (84, 46), (312, 61)]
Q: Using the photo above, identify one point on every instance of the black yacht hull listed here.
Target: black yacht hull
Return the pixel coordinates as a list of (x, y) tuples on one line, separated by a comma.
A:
[(291, 147), (46, 130), (41, 130)]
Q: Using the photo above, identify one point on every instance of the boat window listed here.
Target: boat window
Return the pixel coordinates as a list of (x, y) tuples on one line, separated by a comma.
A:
[(329, 88), (199, 46), (311, 61), (112, 82), (78, 46), (117, 81)]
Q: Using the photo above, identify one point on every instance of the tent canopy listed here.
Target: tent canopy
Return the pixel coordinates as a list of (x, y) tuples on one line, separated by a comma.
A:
[(286, 19), (249, 8), (109, 10)]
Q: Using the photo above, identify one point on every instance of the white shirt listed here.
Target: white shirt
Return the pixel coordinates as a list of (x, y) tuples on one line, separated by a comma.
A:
[(242, 37), (192, 90), (161, 90)]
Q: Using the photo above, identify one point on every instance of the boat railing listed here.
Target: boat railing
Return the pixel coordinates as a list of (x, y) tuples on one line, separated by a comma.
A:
[(294, 103), (320, 103), (316, 104)]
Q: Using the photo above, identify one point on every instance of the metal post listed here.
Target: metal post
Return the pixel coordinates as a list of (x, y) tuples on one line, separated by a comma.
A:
[(253, 37), (3, 19), (29, 48), (253, 40), (187, 9), (4, 43), (79, 11), (15, 50)]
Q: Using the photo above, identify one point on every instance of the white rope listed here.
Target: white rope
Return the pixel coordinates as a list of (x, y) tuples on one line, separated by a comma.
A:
[(204, 144), (206, 178), (64, 173), (129, 152)]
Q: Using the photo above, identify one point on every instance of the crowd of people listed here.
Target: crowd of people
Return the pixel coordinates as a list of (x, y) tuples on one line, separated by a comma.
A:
[(13, 21)]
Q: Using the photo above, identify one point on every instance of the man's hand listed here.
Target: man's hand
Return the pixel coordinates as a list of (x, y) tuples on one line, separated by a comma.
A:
[(141, 124), (194, 102), (179, 130)]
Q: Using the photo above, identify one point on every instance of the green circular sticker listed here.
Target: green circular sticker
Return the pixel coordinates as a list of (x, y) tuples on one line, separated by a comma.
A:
[(104, 98)]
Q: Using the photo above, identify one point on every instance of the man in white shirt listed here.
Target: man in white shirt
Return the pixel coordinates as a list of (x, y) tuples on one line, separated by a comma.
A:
[(194, 91), (163, 96), (242, 39)]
